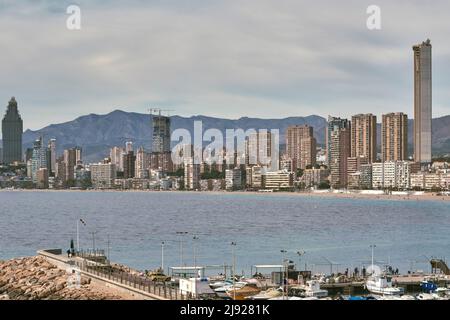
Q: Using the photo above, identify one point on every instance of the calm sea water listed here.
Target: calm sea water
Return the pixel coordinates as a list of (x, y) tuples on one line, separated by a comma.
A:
[(406, 233)]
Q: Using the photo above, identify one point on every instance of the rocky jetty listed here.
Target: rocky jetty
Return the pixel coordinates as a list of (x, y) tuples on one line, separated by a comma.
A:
[(34, 278)]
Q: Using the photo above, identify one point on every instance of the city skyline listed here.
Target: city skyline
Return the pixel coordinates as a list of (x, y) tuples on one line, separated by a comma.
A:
[(281, 68)]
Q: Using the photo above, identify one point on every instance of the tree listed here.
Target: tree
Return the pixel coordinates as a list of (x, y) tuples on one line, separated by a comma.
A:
[(324, 185)]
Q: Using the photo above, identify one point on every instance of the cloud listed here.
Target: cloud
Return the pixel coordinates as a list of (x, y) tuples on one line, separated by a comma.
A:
[(259, 58)]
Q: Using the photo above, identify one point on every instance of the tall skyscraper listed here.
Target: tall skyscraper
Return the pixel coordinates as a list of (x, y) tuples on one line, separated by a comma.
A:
[(128, 146), (129, 165), (38, 159), (334, 124), (339, 151), (394, 137), (52, 156), (364, 136), (142, 164), (161, 133), (70, 161), (301, 146), (12, 129), (116, 156), (422, 102), (259, 149)]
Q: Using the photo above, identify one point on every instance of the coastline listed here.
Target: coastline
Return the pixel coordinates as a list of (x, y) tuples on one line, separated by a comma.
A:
[(339, 195)]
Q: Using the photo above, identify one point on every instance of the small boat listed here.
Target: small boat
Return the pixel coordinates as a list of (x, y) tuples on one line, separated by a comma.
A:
[(242, 292), (219, 284), (382, 284), (312, 289), (221, 292), (268, 294)]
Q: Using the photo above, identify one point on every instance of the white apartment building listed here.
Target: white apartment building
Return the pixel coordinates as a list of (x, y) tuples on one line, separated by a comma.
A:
[(103, 175), (391, 174), (233, 179)]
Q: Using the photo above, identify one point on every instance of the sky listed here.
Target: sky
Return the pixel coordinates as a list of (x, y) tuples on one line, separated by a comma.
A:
[(229, 58)]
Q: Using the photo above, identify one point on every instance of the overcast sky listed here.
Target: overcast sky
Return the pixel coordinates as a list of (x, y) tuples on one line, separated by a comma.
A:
[(229, 58)]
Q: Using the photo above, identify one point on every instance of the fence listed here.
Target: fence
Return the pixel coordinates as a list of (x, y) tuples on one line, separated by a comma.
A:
[(138, 282)]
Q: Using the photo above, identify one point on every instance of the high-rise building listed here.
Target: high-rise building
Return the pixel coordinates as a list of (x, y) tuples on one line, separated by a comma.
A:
[(259, 149), (394, 137), (129, 165), (339, 152), (364, 136), (12, 129), (52, 156), (70, 161), (422, 102), (103, 175), (128, 146), (333, 125), (38, 159), (116, 156), (233, 179), (191, 175), (142, 164), (301, 146), (161, 133)]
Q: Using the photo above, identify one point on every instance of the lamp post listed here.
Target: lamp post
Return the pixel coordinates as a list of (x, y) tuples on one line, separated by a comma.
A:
[(300, 253), (181, 234), (195, 252), (78, 233), (372, 246), (233, 245), (162, 256), (283, 255)]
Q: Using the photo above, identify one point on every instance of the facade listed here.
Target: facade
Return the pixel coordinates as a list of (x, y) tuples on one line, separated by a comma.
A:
[(160, 133), (52, 156), (103, 175), (392, 175), (259, 149), (394, 137), (233, 179), (422, 102), (334, 124), (191, 175), (116, 156), (365, 181), (364, 136), (38, 159), (70, 161), (12, 129), (276, 180), (314, 177), (129, 165), (339, 153), (142, 164), (301, 146), (42, 178), (256, 176)]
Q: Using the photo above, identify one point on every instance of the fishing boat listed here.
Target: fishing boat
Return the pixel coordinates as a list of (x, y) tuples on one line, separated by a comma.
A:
[(219, 284), (382, 284)]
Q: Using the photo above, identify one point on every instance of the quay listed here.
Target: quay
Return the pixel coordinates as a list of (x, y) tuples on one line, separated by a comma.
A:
[(126, 281)]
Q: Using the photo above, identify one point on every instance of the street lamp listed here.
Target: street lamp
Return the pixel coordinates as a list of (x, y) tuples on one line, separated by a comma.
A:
[(181, 234), (372, 246), (195, 252), (283, 256), (233, 245), (162, 256), (300, 253), (78, 233)]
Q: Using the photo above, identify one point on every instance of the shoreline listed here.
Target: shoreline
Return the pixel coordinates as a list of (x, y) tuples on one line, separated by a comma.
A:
[(338, 195)]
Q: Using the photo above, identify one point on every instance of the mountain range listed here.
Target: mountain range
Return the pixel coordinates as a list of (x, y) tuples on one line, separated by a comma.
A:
[(96, 134)]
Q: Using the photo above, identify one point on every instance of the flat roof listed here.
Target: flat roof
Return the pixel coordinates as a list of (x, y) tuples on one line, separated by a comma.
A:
[(268, 266)]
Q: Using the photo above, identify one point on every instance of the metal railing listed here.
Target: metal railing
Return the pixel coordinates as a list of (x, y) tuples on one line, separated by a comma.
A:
[(142, 283)]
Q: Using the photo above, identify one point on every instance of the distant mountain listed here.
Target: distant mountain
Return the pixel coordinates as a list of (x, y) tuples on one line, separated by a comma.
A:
[(98, 133)]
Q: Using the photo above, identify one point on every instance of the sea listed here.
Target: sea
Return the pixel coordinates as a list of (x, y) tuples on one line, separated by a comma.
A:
[(145, 230)]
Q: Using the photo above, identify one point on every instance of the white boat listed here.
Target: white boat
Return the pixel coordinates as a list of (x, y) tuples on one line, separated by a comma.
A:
[(268, 294), (219, 284), (312, 289), (382, 284), (222, 291)]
